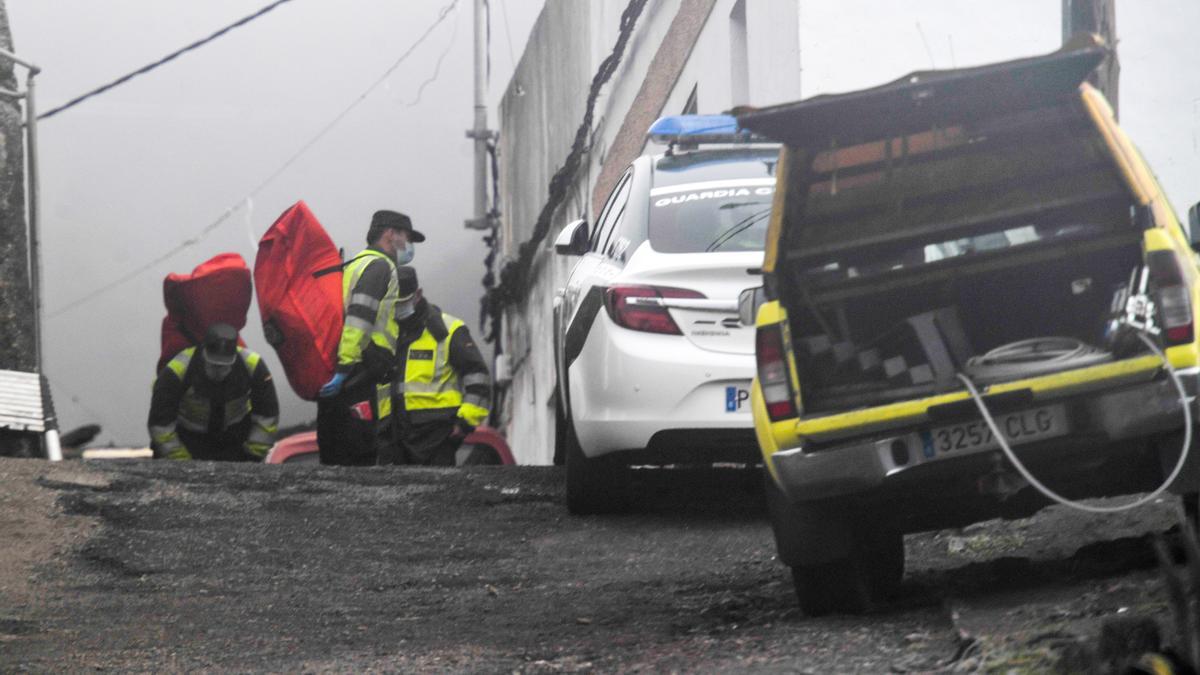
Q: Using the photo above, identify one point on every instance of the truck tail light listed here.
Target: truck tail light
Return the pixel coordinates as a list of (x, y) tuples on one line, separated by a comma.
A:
[(1172, 296), (641, 308), (773, 374)]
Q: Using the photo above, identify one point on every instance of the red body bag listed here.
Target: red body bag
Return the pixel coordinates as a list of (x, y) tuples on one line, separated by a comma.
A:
[(298, 277), (217, 291)]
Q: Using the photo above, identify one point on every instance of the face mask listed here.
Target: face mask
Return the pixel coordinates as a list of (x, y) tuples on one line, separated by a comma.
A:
[(405, 309), (217, 373), (406, 254)]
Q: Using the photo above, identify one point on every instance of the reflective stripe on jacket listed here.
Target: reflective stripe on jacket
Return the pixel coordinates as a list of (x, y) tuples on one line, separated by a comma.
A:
[(369, 303), (178, 402)]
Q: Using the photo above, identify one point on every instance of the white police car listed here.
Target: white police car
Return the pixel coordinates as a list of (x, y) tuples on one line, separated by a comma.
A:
[(653, 365)]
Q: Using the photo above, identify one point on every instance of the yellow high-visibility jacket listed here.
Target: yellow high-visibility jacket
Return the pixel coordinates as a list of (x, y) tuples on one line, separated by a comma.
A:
[(441, 375)]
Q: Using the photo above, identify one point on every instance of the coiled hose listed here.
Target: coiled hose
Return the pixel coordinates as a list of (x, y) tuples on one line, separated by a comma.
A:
[(1021, 468), (1036, 356)]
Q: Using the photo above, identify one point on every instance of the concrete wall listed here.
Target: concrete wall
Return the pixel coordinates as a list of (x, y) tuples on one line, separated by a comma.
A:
[(16, 307), (541, 110), (16, 302), (544, 105)]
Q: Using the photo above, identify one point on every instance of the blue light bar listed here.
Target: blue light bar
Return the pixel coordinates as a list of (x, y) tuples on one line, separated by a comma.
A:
[(694, 129)]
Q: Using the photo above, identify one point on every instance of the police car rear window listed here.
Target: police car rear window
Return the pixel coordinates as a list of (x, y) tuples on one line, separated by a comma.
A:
[(699, 205)]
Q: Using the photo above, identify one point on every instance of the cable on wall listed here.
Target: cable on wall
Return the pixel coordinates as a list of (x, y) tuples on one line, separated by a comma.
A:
[(513, 276)]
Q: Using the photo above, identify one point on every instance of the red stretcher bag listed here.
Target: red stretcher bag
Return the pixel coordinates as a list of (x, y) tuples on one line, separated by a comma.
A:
[(217, 291), (298, 277)]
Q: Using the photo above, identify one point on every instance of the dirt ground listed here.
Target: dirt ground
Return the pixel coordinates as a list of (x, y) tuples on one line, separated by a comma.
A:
[(152, 566)]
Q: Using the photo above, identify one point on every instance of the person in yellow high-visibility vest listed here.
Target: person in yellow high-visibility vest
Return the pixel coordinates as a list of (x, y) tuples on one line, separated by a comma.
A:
[(442, 388), (354, 407)]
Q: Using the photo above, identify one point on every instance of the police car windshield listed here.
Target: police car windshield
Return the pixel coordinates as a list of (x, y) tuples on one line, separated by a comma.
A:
[(711, 201)]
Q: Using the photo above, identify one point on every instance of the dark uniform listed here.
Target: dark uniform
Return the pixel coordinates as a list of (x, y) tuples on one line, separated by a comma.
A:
[(196, 414), (442, 386), (354, 408)]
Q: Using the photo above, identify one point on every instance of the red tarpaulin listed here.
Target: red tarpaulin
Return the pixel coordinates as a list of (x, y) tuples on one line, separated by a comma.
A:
[(217, 291), (298, 278)]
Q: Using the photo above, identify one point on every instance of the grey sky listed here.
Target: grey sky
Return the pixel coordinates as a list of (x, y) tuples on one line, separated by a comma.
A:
[(136, 171)]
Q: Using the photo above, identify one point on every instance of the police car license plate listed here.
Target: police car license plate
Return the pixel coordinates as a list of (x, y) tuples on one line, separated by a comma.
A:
[(737, 398), (1019, 428)]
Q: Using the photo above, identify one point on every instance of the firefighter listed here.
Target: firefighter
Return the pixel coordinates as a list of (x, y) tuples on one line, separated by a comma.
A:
[(354, 407), (442, 386), (215, 402)]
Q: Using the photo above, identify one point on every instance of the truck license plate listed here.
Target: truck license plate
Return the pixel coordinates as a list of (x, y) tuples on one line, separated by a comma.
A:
[(1019, 428)]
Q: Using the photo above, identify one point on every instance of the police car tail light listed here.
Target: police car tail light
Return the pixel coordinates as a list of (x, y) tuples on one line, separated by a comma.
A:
[(773, 375), (641, 307), (1172, 296)]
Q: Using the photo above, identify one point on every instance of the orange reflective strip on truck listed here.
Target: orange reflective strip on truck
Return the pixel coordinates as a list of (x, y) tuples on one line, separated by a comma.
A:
[(775, 225), (1140, 184)]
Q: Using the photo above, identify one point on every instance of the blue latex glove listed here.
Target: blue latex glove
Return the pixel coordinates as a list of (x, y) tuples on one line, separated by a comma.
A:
[(333, 386)]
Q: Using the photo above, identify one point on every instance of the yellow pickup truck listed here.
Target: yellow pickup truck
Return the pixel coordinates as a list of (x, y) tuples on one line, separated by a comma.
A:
[(992, 226)]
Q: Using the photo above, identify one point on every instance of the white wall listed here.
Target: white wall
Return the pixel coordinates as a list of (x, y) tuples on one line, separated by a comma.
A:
[(772, 32)]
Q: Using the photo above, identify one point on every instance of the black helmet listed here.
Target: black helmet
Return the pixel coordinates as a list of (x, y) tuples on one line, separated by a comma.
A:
[(406, 282), (220, 344)]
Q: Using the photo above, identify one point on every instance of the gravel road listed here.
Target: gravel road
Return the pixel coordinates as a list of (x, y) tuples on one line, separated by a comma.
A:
[(152, 566)]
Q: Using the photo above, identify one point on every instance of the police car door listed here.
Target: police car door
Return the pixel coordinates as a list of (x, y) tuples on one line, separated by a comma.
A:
[(583, 297)]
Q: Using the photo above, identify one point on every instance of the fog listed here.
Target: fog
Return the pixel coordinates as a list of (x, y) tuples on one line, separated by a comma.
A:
[(135, 172)]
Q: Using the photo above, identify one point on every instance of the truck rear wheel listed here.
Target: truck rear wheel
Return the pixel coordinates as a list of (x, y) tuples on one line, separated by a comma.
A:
[(867, 564), (594, 485), (841, 585), (855, 583)]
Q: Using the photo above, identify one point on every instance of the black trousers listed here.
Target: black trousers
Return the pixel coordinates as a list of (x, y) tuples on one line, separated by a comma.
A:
[(223, 447), (431, 444), (344, 438)]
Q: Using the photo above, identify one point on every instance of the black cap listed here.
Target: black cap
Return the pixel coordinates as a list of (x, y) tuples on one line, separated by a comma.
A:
[(406, 282), (397, 221), (220, 344)]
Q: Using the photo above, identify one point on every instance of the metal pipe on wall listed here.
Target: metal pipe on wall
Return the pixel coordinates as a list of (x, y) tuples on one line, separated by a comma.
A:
[(480, 110), (480, 133), (19, 61)]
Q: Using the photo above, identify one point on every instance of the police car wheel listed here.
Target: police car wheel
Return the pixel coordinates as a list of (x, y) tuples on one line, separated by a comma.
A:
[(594, 485)]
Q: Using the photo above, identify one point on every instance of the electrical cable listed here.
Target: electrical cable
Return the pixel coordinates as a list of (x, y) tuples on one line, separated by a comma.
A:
[(208, 229), (169, 57), (437, 69), (1021, 468), (491, 239), (508, 34)]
